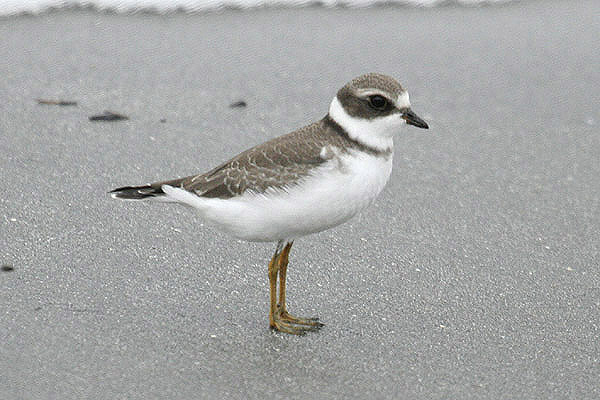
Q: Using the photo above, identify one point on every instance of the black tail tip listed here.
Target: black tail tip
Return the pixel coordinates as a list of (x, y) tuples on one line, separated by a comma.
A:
[(136, 192)]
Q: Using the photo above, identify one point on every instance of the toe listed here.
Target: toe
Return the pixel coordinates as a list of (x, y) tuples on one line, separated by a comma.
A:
[(285, 316)]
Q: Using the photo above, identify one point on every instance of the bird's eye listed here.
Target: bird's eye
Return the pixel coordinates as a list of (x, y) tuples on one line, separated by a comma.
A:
[(378, 102)]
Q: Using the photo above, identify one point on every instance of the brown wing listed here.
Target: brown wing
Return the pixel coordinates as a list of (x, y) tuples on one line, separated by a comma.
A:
[(273, 164)]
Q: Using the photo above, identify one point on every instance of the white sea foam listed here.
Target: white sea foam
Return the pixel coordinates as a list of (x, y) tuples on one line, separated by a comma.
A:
[(12, 7)]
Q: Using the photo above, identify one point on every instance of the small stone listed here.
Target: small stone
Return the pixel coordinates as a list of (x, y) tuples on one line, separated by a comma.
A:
[(108, 116), (238, 104)]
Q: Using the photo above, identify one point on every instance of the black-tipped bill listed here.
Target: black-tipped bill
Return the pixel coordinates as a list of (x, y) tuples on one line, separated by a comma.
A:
[(413, 119)]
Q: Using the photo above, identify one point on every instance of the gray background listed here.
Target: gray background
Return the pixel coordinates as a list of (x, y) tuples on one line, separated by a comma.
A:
[(475, 275)]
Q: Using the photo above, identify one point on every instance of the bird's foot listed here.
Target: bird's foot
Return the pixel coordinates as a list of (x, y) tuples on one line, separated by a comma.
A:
[(285, 322), (287, 317)]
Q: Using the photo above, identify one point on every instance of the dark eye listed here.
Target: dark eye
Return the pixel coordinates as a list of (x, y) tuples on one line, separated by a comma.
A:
[(378, 102)]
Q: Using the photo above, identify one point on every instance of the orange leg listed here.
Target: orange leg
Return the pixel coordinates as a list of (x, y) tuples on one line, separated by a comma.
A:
[(279, 318), (273, 266), (283, 263)]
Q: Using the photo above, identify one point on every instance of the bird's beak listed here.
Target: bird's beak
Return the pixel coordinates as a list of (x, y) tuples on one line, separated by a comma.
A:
[(413, 119)]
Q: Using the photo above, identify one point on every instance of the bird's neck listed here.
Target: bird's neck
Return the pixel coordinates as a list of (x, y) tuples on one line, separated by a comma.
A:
[(375, 134)]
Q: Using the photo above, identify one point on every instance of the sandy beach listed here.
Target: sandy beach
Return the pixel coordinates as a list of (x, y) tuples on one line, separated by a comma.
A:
[(476, 274)]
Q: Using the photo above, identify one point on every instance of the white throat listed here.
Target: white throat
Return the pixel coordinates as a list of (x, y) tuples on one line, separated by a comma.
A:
[(376, 133)]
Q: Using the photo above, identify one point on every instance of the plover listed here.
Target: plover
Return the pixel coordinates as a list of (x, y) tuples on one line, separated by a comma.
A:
[(307, 181)]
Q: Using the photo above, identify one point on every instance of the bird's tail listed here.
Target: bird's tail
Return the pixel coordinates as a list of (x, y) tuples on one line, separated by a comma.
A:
[(146, 192), (152, 191)]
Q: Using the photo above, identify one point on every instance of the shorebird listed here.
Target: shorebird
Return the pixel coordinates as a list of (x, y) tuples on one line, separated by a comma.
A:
[(307, 181)]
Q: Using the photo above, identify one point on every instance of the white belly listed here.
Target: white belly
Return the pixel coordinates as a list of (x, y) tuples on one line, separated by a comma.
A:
[(336, 191)]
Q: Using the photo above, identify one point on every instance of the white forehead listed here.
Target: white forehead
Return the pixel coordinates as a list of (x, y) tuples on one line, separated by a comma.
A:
[(403, 101)]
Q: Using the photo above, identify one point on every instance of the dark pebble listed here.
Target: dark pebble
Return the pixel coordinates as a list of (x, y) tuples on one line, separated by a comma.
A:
[(238, 104), (108, 116), (7, 268)]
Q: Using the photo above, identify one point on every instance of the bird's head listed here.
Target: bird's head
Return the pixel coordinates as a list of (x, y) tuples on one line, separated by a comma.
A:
[(372, 108)]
